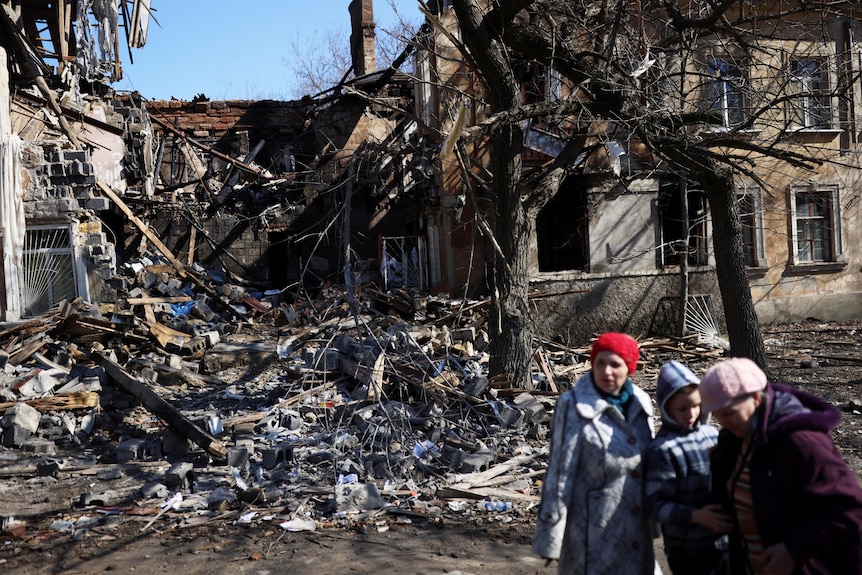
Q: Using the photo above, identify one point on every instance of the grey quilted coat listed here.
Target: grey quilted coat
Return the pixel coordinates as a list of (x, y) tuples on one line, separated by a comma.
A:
[(591, 516)]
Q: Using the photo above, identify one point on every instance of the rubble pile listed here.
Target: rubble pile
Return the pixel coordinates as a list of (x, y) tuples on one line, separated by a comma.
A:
[(204, 401)]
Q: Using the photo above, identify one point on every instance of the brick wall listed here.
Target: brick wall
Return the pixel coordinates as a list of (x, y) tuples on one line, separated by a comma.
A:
[(239, 247), (233, 126)]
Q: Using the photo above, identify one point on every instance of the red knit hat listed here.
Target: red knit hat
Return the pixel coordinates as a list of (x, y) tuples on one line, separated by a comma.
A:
[(620, 344)]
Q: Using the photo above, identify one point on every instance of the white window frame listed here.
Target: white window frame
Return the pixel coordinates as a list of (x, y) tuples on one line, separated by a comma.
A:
[(832, 219), (721, 87), (44, 278), (810, 91)]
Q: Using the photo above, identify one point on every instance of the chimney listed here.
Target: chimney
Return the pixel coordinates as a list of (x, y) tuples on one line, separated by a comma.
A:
[(362, 45)]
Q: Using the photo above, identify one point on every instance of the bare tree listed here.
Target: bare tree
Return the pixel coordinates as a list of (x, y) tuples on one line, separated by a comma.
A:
[(661, 77), (323, 61)]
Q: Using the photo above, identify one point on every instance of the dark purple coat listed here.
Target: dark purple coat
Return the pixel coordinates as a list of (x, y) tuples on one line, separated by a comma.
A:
[(804, 493)]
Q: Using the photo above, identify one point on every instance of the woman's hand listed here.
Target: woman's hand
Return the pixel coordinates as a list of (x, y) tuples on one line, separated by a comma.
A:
[(777, 560), (711, 517)]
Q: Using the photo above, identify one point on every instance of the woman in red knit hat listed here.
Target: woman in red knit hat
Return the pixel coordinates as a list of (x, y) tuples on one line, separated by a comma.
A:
[(591, 518)]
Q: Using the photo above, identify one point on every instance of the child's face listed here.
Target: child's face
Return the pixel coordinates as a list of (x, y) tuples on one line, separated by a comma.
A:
[(684, 406)]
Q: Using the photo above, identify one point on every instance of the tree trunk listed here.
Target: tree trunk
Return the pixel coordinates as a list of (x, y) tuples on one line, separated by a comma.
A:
[(511, 341), (743, 328), (511, 336)]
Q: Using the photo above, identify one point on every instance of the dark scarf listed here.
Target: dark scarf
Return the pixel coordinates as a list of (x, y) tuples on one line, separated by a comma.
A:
[(622, 399)]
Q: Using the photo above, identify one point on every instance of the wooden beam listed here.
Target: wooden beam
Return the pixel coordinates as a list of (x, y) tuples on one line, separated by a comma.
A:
[(154, 239), (152, 300), (160, 407), (59, 402)]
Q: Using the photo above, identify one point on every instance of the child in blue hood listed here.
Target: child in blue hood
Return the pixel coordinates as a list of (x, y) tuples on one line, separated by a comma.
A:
[(677, 487)]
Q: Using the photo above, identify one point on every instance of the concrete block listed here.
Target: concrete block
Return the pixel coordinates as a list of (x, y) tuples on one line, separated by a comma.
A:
[(243, 436), (211, 337), (194, 345), (132, 450), (175, 444), (97, 204), (96, 239), (463, 334), (181, 475), (509, 416), (356, 497), (237, 457), (155, 489), (22, 415), (67, 205), (277, 455), (534, 411), (475, 462), (37, 445), (475, 385), (15, 436), (48, 468), (75, 156), (203, 311)]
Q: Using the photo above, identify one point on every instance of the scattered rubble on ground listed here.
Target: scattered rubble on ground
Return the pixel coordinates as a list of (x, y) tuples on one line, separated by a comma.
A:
[(190, 401), (211, 402)]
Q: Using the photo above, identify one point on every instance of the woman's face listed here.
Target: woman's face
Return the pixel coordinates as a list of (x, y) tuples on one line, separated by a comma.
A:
[(609, 372), (736, 417)]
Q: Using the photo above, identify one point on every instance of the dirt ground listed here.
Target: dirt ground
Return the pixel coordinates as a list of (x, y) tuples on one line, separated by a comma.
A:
[(437, 538)]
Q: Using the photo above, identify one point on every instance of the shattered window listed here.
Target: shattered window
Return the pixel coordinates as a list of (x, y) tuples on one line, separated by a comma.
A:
[(814, 227), (751, 217), (562, 232), (683, 226)]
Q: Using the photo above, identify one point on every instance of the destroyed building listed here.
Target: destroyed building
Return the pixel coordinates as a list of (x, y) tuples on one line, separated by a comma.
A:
[(63, 137), (257, 191)]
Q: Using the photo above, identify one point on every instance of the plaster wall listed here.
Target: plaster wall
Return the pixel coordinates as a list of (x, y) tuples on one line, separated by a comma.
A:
[(623, 232), (574, 310)]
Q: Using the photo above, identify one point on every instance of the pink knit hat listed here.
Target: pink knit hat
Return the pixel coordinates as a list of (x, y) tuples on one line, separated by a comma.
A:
[(620, 344), (729, 379)]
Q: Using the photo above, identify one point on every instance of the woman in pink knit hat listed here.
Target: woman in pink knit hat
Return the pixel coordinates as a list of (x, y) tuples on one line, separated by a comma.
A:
[(796, 505), (592, 518)]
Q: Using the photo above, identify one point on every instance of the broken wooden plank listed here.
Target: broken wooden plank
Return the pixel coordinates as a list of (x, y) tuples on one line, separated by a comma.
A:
[(27, 349), (149, 313), (481, 479), (160, 407), (540, 359), (165, 335), (152, 300), (60, 402), (145, 229)]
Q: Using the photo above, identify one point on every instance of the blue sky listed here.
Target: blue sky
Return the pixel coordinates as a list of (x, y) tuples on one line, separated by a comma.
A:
[(234, 50)]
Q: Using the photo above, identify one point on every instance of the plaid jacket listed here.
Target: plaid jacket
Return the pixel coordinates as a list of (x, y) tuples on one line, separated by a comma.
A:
[(677, 470)]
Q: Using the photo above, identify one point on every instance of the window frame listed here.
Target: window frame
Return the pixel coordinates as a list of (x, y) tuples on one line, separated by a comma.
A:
[(671, 228), (720, 86), (807, 95), (752, 225), (831, 225), (60, 245)]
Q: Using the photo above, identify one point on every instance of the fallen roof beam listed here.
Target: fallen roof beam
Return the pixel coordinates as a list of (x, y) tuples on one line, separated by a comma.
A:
[(160, 407), (145, 229)]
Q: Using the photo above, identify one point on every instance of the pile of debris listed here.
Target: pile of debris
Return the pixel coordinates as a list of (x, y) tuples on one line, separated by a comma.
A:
[(223, 403)]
